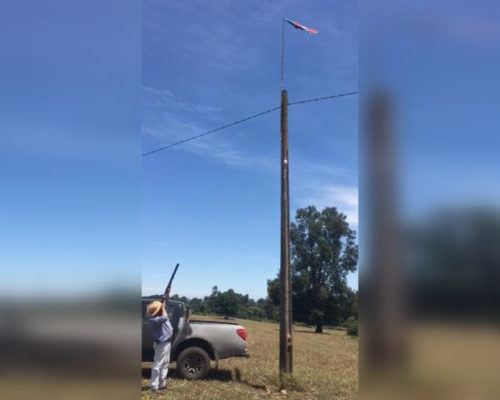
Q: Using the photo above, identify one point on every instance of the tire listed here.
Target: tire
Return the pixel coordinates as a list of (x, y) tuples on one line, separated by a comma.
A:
[(193, 363)]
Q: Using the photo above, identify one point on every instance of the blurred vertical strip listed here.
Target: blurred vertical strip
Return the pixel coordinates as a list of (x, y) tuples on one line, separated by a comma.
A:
[(70, 123), (429, 200), (381, 289)]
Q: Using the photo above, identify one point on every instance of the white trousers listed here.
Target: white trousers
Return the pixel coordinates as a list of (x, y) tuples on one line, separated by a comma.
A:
[(159, 370)]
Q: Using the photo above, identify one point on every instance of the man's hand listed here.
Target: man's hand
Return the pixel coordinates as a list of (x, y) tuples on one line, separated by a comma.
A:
[(163, 309)]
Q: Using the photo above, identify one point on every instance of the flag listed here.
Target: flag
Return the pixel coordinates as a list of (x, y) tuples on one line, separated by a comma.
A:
[(301, 27)]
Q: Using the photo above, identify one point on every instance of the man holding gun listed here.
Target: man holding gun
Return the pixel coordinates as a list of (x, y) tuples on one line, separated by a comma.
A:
[(162, 332)]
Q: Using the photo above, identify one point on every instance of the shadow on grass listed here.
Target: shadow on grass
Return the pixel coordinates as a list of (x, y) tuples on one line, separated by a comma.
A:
[(221, 375), (304, 331)]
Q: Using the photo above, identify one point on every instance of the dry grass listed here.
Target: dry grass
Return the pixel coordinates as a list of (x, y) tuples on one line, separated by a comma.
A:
[(325, 367)]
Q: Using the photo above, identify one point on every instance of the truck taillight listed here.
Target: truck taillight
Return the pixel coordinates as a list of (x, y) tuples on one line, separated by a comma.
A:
[(242, 333)]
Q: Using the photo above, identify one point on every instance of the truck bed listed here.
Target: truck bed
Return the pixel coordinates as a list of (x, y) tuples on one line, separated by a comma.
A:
[(201, 321)]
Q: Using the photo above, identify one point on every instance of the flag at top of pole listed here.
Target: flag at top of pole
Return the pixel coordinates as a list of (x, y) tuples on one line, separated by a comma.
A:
[(296, 25)]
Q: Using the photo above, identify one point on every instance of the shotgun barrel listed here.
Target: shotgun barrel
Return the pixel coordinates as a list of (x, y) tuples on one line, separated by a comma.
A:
[(166, 295)]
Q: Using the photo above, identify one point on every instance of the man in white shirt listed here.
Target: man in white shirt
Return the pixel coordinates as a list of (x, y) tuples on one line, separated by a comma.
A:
[(161, 331)]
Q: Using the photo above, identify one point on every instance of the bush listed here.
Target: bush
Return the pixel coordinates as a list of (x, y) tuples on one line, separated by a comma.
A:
[(352, 326)]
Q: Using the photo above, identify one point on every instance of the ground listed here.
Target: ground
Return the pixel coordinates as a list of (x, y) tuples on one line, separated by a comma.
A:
[(325, 367)]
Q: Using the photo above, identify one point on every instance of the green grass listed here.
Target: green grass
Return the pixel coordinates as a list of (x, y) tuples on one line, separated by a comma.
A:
[(325, 367)]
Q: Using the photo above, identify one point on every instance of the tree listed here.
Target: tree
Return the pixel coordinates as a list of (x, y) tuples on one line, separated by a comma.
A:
[(453, 263), (271, 306), (209, 301), (228, 303), (271, 309), (273, 291), (323, 252), (195, 305)]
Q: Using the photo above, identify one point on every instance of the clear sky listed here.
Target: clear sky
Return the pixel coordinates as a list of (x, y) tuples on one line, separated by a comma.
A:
[(213, 204), (439, 61), (69, 146), (72, 182)]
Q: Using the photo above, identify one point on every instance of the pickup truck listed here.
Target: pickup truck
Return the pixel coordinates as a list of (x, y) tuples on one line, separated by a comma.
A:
[(195, 343)]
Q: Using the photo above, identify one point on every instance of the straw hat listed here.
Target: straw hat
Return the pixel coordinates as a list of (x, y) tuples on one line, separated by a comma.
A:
[(153, 308)]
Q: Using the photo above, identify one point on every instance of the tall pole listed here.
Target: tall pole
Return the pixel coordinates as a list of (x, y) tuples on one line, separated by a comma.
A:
[(384, 341), (285, 298)]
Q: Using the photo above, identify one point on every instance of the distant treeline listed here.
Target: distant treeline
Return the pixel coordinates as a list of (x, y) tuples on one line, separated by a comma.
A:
[(233, 304), (230, 304)]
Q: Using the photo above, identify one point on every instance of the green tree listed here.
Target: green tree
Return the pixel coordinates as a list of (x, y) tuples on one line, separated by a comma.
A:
[(195, 305), (271, 309), (273, 291), (323, 251), (228, 303), (271, 305), (209, 301)]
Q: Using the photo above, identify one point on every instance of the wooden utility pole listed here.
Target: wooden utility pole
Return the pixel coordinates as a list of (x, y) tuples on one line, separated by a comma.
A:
[(285, 297), (383, 342)]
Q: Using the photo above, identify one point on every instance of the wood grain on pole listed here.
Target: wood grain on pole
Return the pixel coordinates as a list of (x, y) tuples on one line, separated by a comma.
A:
[(285, 298)]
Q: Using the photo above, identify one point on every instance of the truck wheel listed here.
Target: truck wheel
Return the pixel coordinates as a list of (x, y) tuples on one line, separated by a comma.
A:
[(193, 363)]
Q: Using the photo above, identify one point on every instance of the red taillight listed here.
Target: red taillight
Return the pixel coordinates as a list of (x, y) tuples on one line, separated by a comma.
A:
[(242, 333)]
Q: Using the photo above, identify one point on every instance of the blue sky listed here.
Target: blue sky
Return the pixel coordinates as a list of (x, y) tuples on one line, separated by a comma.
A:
[(75, 96), (69, 165), (213, 204), (440, 63)]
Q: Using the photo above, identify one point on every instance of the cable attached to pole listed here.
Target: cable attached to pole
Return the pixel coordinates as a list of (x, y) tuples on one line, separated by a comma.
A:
[(209, 132), (323, 98), (243, 120)]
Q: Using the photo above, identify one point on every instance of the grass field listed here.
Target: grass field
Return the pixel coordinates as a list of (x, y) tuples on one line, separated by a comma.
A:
[(325, 367)]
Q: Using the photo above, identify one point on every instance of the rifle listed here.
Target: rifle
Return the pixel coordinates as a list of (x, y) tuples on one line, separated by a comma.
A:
[(166, 295)]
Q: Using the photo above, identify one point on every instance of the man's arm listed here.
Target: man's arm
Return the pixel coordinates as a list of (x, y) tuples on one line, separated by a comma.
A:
[(163, 310)]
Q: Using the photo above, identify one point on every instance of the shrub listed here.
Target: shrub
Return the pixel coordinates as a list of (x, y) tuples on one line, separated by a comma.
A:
[(352, 326)]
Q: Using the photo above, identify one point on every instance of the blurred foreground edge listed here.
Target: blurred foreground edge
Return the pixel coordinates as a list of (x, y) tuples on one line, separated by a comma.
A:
[(383, 343)]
